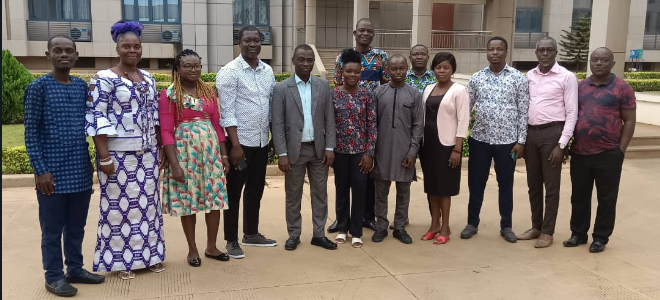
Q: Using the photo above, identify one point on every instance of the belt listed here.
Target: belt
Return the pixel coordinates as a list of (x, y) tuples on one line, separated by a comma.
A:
[(547, 125), (195, 119), (308, 143)]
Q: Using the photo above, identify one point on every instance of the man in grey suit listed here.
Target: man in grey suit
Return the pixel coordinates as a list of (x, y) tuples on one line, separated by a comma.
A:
[(304, 135)]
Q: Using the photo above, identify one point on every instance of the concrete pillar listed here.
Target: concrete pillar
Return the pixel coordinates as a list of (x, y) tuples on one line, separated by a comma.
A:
[(557, 16), (310, 22), (277, 27), (609, 28), (499, 18), (298, 20), (194, 27), (636, 25), (220, 28), (421, 22), (360, 11)]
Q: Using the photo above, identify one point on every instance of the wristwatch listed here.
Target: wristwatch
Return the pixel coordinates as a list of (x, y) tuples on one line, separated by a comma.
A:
[(562, 146)]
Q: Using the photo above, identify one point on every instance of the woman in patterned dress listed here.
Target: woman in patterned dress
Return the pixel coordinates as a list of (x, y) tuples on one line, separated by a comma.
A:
[(123, 120), (355, 118), (194, 144)]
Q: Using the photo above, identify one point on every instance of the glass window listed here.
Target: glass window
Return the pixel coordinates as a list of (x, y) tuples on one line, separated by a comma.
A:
[(74, 10), (173, 11), (529, 19), (581, 9), (262, 16), (251, 12), (238, 12), (129, 9), (156, 11), (143, 10)]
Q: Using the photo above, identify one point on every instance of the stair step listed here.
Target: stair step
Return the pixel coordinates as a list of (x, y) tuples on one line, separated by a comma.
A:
[(645, 141), (652, 151)]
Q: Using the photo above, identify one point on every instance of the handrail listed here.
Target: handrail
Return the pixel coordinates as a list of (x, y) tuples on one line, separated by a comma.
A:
[(459, 40)]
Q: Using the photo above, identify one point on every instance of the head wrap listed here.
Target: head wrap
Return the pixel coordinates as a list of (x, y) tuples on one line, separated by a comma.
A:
[(124, 27)]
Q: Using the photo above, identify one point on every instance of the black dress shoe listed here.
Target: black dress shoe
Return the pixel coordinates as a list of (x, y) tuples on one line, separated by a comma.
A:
[(371, 224), (324, 242), (292, 243), (221, 257), (379, 236), (333, 228), (597, 247), (86, 277), (575, 241), (195, 262), (402, 235), (61, 288)]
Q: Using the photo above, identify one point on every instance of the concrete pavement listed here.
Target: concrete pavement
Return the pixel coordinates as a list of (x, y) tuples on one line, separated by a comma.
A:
[(484, 267)]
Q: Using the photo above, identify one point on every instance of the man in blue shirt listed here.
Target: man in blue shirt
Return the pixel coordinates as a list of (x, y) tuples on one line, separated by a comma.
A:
[(55, 141), (304, 137)]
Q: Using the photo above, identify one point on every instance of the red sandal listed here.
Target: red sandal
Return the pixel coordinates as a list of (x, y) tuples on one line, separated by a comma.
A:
[(429, 236), (441, 239)]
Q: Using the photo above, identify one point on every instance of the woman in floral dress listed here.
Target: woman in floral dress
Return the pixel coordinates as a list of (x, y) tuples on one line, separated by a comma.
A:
[(194, 144)]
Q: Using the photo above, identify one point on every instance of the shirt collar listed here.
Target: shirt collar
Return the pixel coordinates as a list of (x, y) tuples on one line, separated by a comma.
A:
[(411, 73), (298, 80), (507, 68), (609, 81), (245, 65), (554, 69)]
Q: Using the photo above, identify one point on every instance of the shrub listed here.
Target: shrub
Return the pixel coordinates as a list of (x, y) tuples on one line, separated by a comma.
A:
[(15, 160), (282, 76), (208, 77), (641, 75), (15, 78), (581, 75), (162, 77), (644, 85)]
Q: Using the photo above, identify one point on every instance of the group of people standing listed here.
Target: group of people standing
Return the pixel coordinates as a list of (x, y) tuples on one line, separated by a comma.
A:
[(212, 147)]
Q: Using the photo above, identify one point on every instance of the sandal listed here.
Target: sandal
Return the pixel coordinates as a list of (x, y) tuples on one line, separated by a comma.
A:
[(157, 268), (341, 238), (126, 275), (441, 240), (357, 242), (429, 235), (195, 262)]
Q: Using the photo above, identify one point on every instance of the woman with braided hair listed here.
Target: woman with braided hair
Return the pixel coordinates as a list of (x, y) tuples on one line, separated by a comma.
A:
[(194, 144)]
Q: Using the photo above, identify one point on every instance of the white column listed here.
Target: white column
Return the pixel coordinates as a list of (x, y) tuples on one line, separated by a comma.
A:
[(220, 28), (421, 22), (298, 20), (360, 11), (609, 28), (499, 18), (310, 22)]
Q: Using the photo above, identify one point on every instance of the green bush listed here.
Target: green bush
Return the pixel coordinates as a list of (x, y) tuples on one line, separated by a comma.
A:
[(644, 85), (162, 77), (641, 75), (282, 76), (581, 75), (15, 78), (15, 160), (208, 77)]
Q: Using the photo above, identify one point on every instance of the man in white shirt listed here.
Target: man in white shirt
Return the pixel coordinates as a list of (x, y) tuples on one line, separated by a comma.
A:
[(245, 87)]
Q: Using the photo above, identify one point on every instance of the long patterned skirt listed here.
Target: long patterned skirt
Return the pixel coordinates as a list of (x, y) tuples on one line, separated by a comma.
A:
[(204, 186), (130, 233)]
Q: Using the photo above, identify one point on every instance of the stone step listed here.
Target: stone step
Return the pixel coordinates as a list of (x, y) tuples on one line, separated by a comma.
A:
[(634, 152), (645, 141)]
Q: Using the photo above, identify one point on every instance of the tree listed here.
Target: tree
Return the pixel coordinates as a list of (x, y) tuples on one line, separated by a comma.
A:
[(575, 43), (15, 78)]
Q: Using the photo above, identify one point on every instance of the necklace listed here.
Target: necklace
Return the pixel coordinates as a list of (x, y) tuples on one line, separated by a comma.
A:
[(137, 85)]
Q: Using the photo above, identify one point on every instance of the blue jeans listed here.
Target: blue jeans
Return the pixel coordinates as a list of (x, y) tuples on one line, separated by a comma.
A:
[(62, 214), (481, 156)]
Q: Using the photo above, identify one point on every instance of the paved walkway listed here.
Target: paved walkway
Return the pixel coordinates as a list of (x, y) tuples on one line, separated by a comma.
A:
[(485, 267)]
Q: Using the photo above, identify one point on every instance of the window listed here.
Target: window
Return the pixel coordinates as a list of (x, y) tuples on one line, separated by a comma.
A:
[(581, 9), (652, 24), (152, 11), (53, 10), (251, 12), (529, 19)]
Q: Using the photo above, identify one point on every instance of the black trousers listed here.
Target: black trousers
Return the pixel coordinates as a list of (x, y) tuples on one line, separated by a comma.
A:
[(349, 181), (253, 179), (62, 215), (370, 201), (605, 170), (481, 156)]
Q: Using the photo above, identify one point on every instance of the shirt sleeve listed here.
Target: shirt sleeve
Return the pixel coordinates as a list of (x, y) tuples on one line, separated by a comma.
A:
[(215, 121), (33, 101), (571, 106), (472, 93), (167, 118), (628, 100), (97, 121), (523, 105), (462, 103), (417, 124), (154, 109), (372, 129), (385, 76), (226, 85), (338, 66)]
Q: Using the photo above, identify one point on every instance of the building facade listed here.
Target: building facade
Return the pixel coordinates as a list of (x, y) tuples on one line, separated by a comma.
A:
[(210, 28)]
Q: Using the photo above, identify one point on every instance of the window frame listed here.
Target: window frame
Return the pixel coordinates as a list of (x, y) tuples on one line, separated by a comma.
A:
[(530, 11), (257, 7), (59, 10), (136, 12)]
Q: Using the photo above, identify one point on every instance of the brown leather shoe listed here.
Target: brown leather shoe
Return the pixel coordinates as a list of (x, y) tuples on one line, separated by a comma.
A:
[(530, 234), (544, 241)]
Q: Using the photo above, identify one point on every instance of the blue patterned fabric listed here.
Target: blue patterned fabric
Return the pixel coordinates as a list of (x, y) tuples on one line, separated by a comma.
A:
[(55, 132)]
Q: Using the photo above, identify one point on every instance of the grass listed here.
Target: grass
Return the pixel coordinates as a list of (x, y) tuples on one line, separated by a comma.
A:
[(13, 135)]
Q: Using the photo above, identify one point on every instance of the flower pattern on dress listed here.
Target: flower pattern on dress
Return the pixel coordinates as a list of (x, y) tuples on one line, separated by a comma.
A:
[(500, 102), (355, 118)]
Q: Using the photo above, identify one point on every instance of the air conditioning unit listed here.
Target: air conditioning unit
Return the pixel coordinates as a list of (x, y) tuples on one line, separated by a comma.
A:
[(79, 33), (171, 36)]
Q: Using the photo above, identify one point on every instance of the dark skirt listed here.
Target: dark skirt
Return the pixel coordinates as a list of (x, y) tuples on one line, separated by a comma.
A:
[(440, 180)]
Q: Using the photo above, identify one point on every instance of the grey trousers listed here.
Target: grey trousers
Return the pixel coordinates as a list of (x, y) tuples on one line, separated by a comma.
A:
[(293, 186), (402, 204)]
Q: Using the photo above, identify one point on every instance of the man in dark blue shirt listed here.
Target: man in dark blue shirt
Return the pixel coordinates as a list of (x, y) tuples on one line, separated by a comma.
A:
[(56, 143)]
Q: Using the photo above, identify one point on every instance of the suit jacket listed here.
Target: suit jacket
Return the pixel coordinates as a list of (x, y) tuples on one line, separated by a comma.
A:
[(287, 117)]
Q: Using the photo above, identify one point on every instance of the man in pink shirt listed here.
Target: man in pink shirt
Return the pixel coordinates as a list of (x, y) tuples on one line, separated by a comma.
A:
[(553, 101)]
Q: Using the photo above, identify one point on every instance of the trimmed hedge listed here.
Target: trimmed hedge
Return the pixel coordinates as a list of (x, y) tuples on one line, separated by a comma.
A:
[(644, 85), (627, 75), (15, 78), (15, 160)]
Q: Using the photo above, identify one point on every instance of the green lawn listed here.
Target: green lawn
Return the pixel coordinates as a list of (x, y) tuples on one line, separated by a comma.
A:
[(13, 135)]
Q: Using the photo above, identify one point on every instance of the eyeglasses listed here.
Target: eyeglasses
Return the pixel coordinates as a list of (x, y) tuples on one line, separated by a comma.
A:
[(190, 68)]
